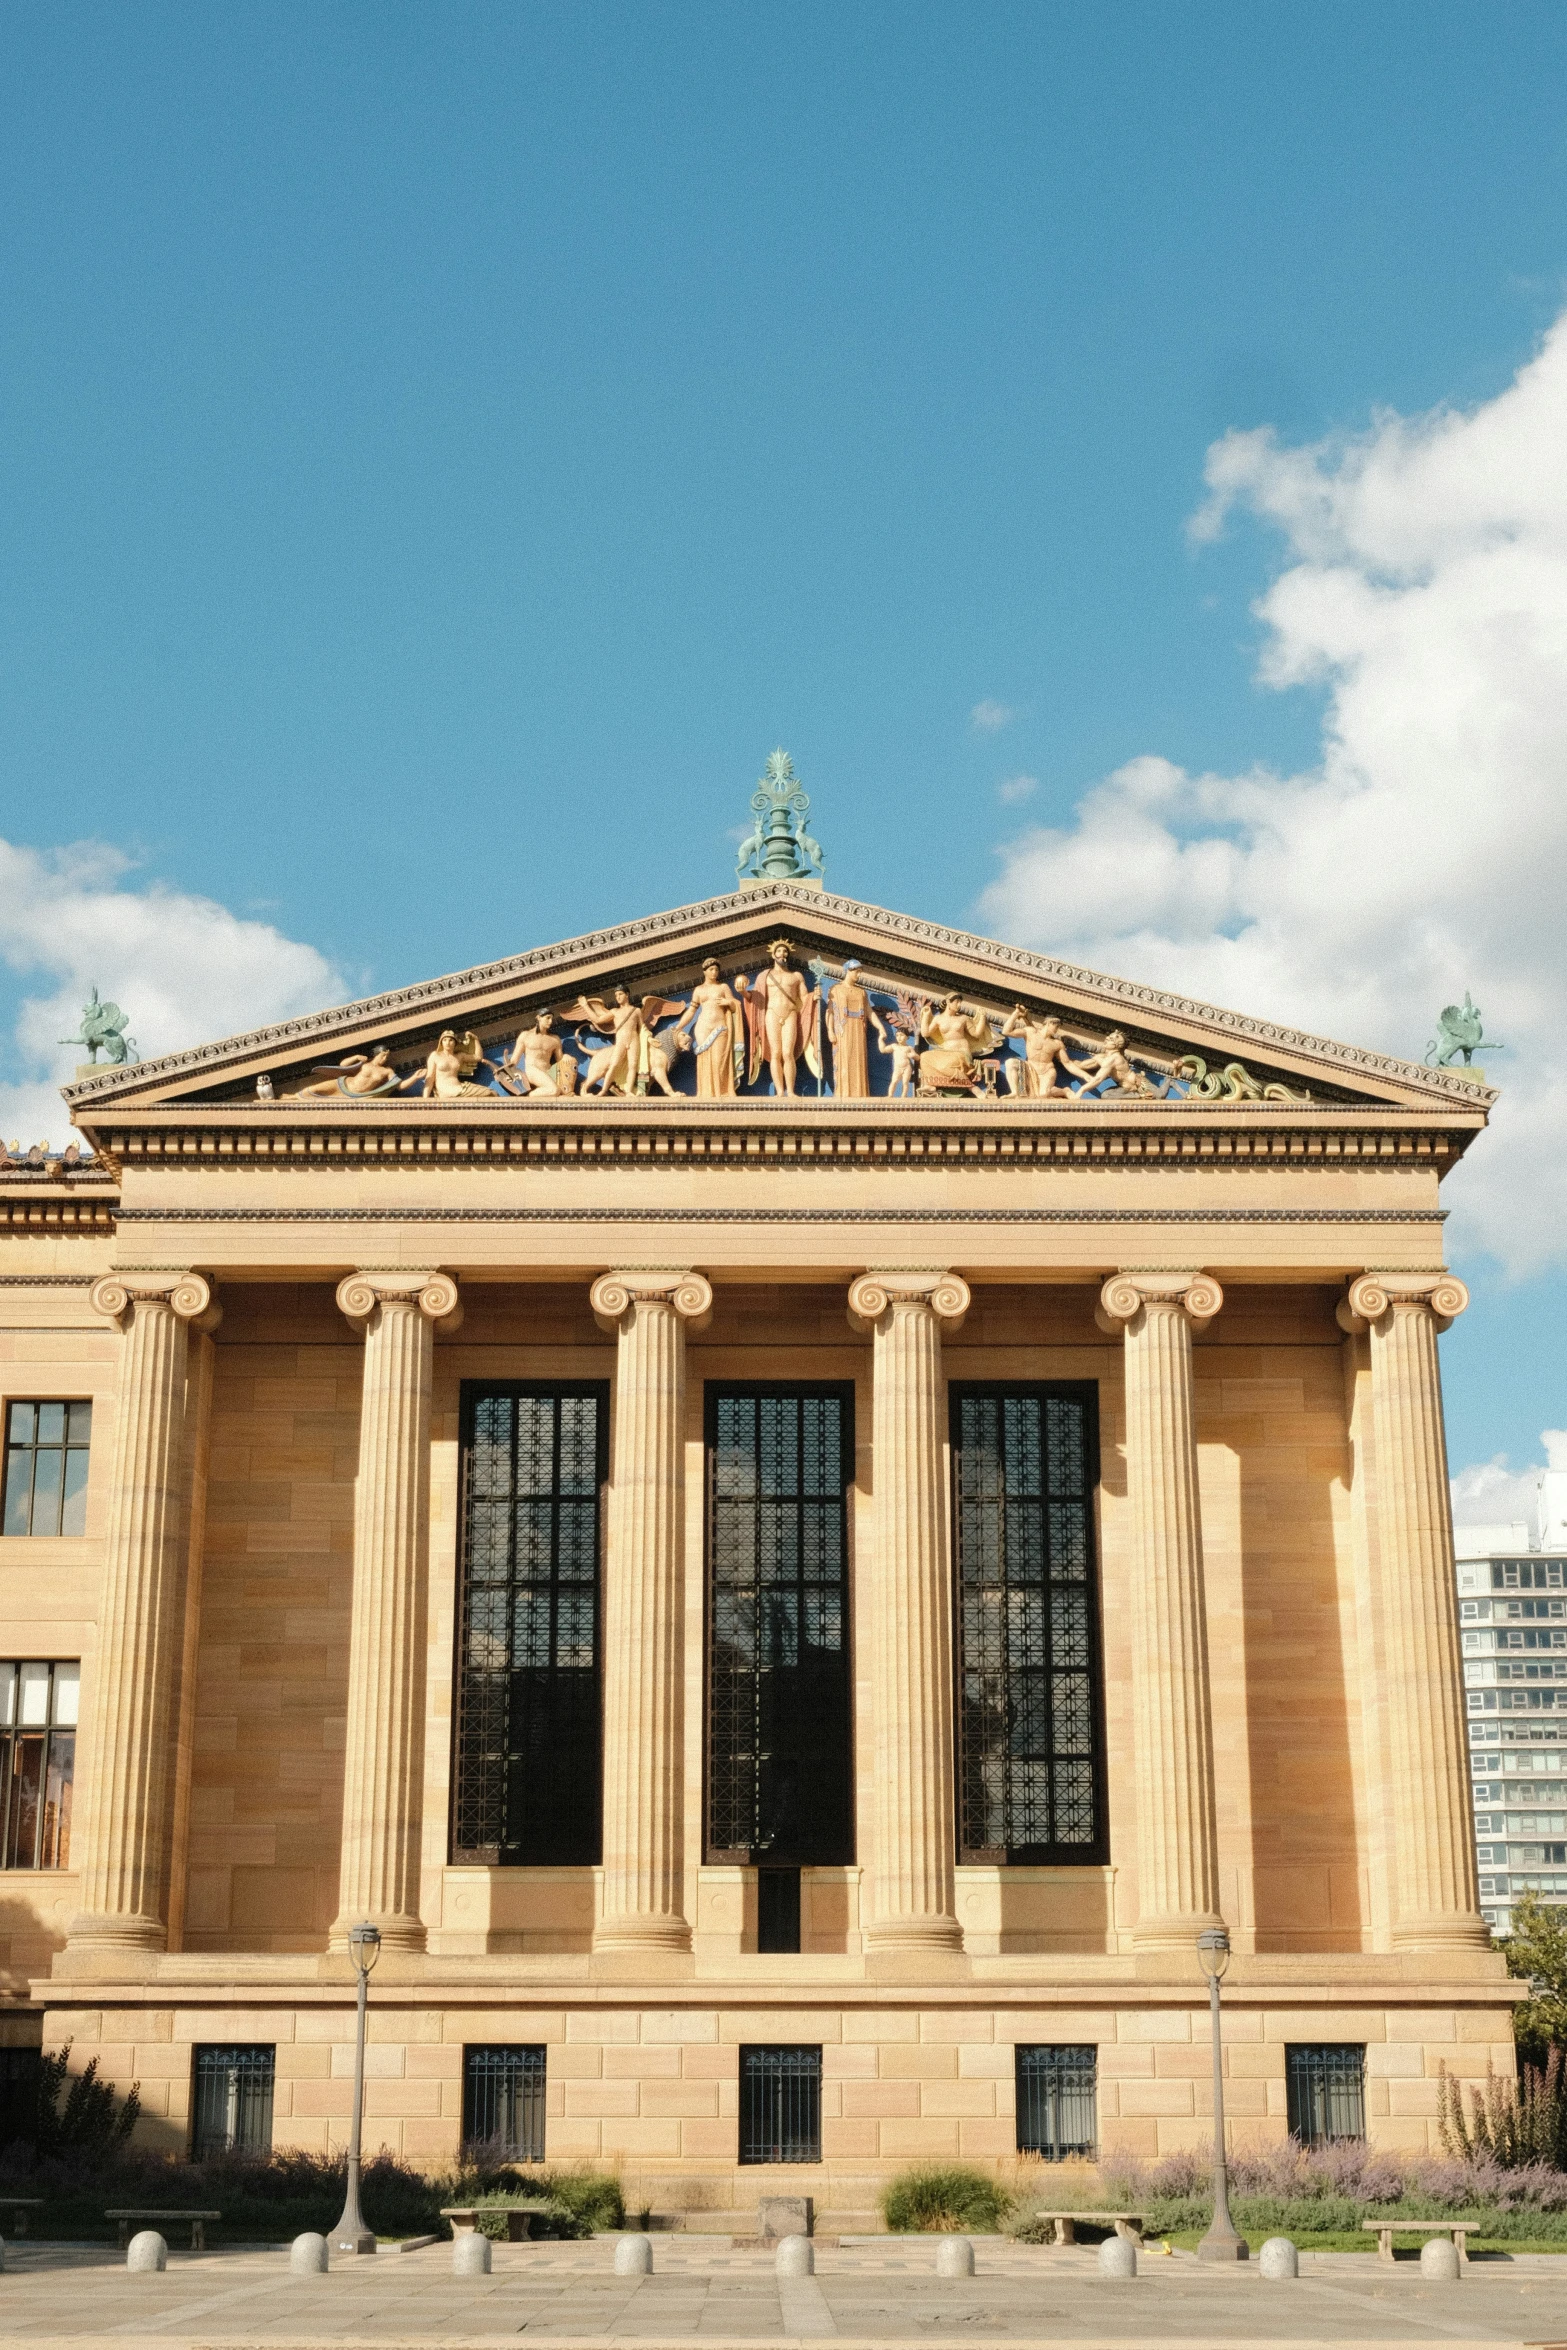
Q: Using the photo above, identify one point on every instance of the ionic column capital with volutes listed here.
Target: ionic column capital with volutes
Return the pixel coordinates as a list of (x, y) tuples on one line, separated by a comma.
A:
[(361, 1295), (1372, 1296), (884, 1288), (1135, 1288), (189, 1296), (616, 1295)]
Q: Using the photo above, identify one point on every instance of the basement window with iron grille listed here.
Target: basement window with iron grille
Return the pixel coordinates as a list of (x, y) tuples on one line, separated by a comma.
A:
[(1057, 2101), (503, 2101), (527, 1737), (1326, 2090), (1030, 1738), (779, 1778), (780, 2104), (232, 2104)]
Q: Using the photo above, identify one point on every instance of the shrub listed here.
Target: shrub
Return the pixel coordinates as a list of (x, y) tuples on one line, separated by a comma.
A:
[(940, 2198), (87, 2125), (1514, 2122)]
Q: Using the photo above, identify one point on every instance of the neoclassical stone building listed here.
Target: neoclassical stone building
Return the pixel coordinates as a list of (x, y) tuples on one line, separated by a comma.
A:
[(791, 1544)]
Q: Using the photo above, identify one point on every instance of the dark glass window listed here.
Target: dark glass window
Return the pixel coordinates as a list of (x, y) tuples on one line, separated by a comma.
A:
[(503, 2101), (1057, 2102), (1030, 1782), (777, 1909), (527, 1741), (779, 1783), (780, 2105), (38, 1704), (20, 2071), (46, 1468), (232, 2104), (1327, 2090)]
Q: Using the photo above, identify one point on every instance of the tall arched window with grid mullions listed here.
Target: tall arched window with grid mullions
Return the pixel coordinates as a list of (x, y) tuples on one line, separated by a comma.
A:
[(526, 1764), (1030, 1712)]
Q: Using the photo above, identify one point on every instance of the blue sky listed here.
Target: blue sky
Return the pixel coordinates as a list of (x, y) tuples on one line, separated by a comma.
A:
[(445, 448)]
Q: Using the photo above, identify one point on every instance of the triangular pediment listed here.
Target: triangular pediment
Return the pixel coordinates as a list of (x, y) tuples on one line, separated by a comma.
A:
[(1178, 1047)]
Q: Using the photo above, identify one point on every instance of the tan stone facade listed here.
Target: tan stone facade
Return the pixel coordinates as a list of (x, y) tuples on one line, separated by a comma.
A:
[(266, 1594)]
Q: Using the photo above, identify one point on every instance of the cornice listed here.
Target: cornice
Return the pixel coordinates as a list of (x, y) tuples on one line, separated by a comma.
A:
[(770, 1215), (750, 909)]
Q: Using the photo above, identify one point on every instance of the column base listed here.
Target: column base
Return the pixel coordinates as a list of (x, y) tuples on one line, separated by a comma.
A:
[(1174, 1932), (642, 1933), (1442, 1933), (396, 1933), (916, 1934), (115, 1930)]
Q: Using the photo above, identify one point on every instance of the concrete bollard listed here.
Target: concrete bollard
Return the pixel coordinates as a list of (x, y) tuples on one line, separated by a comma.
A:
[(795, 2257), (307, 2256), (146, 2254), (1279, 2258), (1118, 2257), (470, 2254), (954, 2257), (1439, 2260), (634, 2256)]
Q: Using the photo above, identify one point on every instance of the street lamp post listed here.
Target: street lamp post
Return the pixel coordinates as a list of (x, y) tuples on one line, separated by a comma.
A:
[(1223, 2241), (351, 2234)]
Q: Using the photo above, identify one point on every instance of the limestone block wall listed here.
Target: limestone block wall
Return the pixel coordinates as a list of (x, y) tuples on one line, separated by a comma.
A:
[(653, 2091), (52, 1346), (272, 1663)]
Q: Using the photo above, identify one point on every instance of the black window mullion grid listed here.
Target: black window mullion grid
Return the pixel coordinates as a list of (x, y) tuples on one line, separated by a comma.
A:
[(778, 1760), (1027, 1648), (527, 1728), (1326, 2088), (1057, 2102), (47, 1445), (780, 2104), (37, 1763)]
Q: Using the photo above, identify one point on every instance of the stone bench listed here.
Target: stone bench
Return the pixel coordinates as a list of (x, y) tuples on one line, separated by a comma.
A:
[(198, 2224), (1125, 2223), (519, 2218), (1386, 2229), (19, 2206)]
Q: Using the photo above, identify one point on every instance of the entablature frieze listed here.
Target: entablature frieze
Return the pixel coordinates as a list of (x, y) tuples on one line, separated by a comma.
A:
[(792, 1133)]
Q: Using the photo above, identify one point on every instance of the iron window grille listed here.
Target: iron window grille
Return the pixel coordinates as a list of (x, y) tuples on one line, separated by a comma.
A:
[(46, 1447), (779, 1767), (232, 2104), (38, 1709), (503, 2101), (1057, 2102), (528, 1712), (1030, 1688), (780, 2104), (1327, 2091)]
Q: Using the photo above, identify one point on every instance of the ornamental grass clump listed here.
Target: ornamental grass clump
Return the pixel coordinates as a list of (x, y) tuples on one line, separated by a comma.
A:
[(944, 2199), (1514, 2123)]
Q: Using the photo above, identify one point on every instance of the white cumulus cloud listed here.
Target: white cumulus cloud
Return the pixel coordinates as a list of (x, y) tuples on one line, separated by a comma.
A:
[(1424, 586), (990, 717), (1016, 789), (184, 968)]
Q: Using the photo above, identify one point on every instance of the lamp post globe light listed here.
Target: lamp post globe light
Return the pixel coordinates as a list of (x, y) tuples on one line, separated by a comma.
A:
[(1223, 2241), (351, 2234)]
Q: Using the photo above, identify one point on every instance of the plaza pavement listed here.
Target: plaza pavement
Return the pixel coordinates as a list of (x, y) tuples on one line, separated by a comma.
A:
[(719, 2294)]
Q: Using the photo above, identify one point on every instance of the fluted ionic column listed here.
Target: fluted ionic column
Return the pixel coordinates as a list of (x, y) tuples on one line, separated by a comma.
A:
[(383, 1763), (648, 1312), (1436, 1903), (913, 1893), (1177, 1835), (128, 1779)]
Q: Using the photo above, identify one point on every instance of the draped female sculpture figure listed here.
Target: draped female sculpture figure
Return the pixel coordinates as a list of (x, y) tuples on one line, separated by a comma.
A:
[(950, 1034), (849, 1013), (717, 1023)]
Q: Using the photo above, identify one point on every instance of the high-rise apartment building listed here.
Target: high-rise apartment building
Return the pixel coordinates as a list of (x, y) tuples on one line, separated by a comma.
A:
[(1512, 1605)]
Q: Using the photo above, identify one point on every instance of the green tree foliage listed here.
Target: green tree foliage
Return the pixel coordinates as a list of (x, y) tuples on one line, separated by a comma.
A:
[(1536, 1951), (1515, 2122), (88, 2125)]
